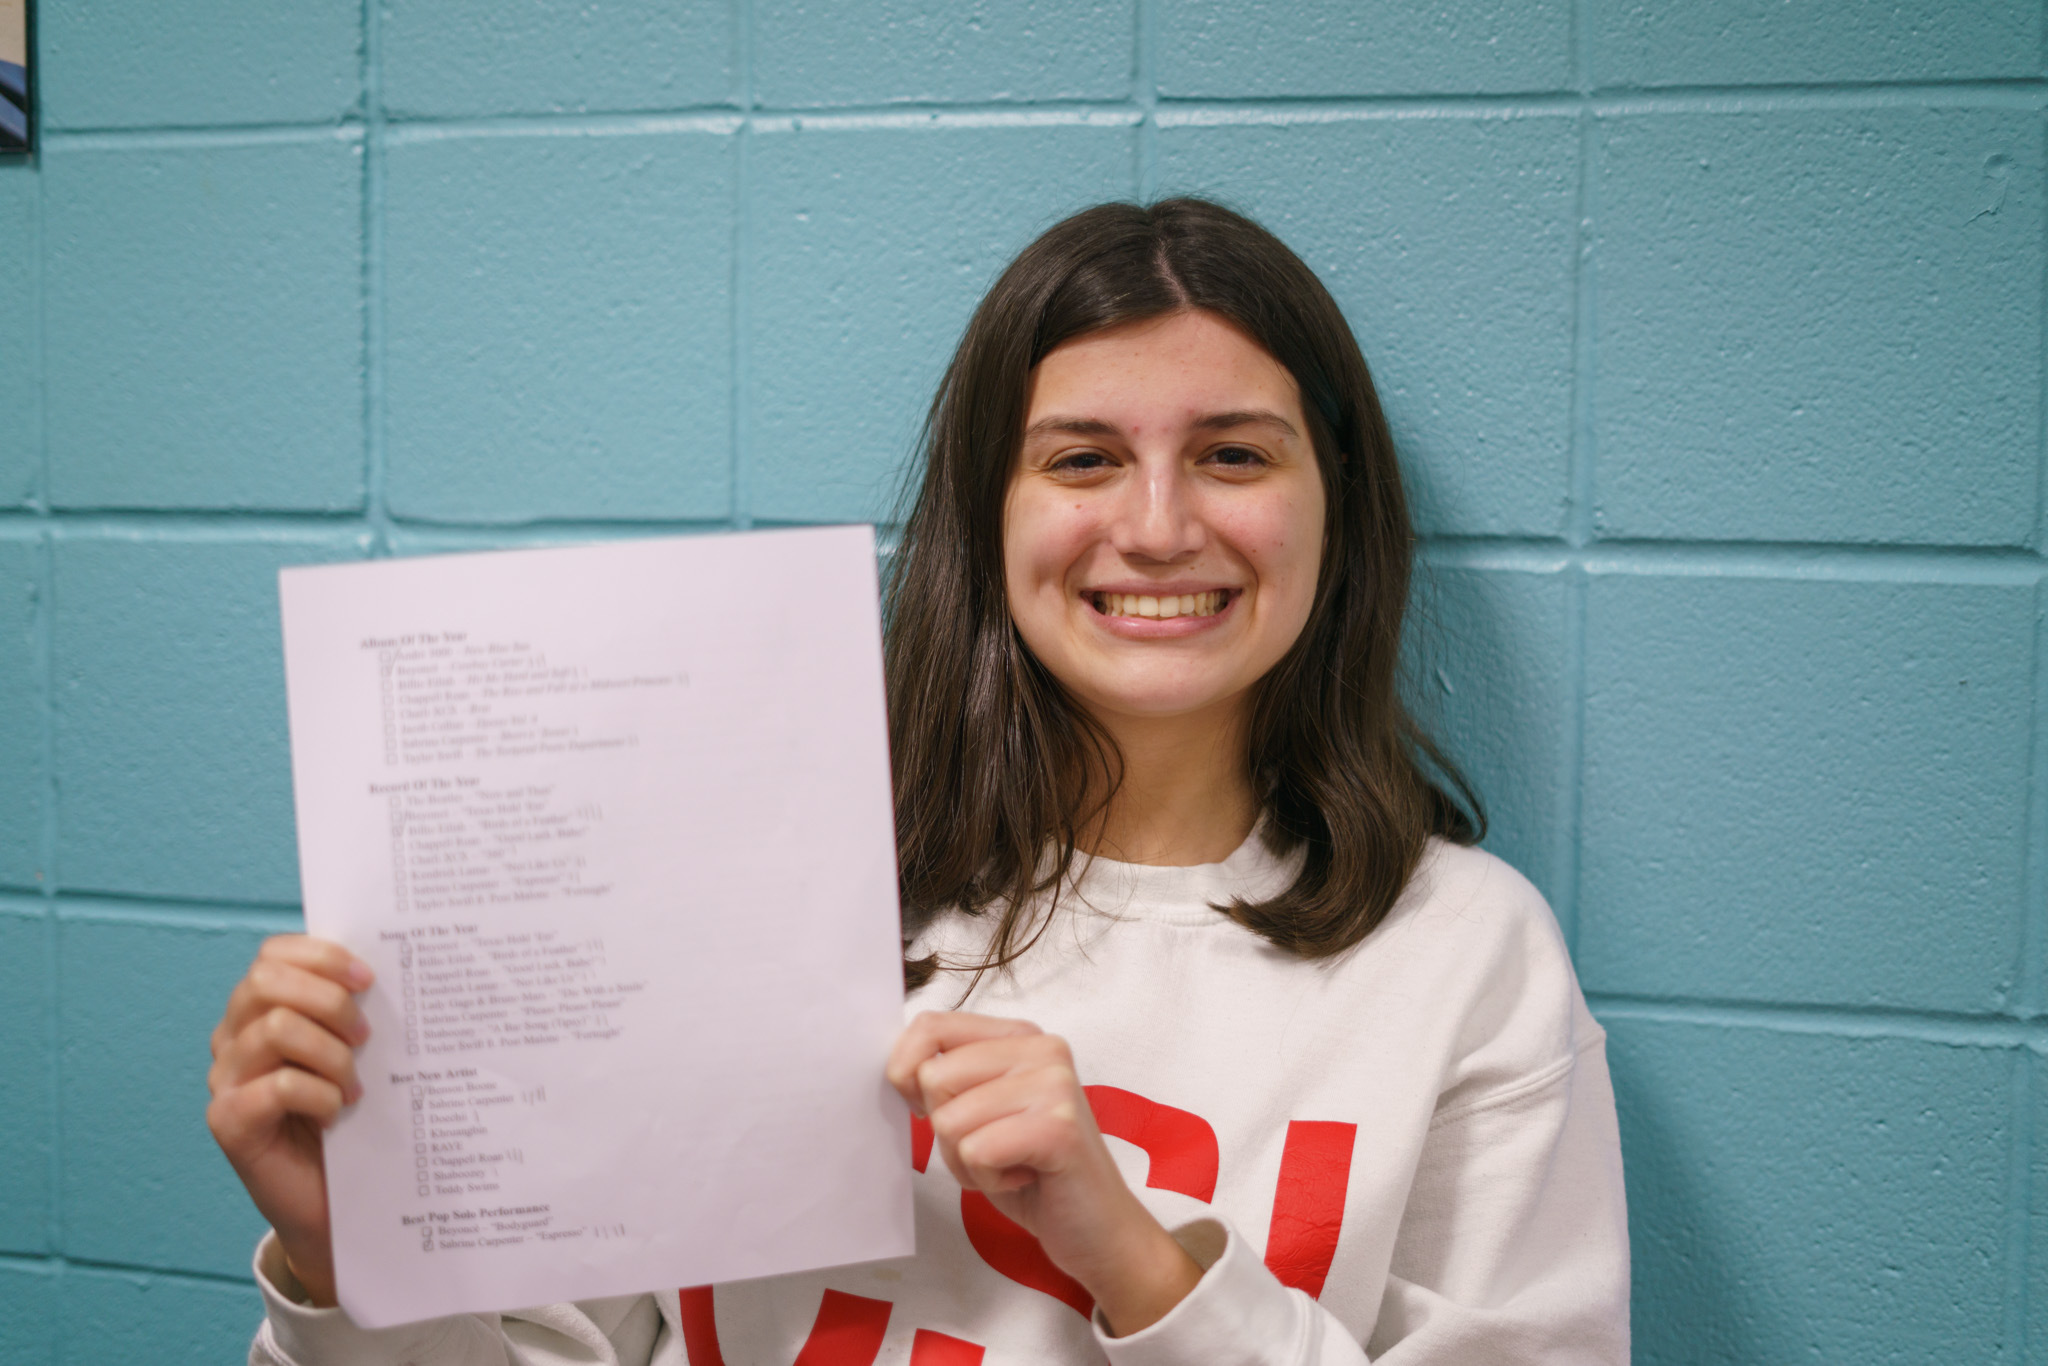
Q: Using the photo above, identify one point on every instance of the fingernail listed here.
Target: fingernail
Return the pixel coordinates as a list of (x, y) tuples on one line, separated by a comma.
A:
[(362, 1032), (353, 1094), (359, 974)]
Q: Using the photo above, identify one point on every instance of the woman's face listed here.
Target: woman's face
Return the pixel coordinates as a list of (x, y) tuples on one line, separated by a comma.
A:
[(1164, 525)]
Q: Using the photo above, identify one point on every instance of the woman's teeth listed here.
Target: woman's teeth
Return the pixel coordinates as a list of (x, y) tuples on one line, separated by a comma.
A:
[(1138, 605)]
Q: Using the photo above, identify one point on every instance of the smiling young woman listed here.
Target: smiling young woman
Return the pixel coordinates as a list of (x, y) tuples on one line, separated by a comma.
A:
[(1230, 1046)]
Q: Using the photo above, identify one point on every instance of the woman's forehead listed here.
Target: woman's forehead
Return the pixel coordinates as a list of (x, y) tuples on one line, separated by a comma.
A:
[(1187, 368)]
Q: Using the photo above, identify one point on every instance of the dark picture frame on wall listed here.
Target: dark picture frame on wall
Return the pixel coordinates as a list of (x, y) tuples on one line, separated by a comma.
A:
[(17, 120)]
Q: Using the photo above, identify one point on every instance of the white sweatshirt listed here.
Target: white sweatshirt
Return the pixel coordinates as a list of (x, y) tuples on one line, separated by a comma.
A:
[(1407, 1154)]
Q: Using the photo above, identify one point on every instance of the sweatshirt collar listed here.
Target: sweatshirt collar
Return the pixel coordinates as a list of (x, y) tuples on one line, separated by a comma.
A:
[(1181, 895)]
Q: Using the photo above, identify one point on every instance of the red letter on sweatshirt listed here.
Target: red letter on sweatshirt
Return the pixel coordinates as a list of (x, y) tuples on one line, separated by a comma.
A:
[(1182, 1147), (847, 1332), (936, 1349), (1181, 1144), (1008, 1247), (1308, 1207), (920, 1142), (700, 1327)]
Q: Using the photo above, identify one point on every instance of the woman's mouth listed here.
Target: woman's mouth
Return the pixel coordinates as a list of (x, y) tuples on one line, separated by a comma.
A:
[(1161, 606)]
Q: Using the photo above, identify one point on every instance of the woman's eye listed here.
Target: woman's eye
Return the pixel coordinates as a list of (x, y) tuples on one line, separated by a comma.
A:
[(1081, 462), (1237, 457)]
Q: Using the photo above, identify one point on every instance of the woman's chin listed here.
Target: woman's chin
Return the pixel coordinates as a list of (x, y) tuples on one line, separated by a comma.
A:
[(1164, 702)]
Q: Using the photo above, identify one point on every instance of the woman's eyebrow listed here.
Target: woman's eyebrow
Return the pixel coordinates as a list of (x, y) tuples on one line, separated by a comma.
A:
[(1208, 422), (1073, 426), (1245, 417)]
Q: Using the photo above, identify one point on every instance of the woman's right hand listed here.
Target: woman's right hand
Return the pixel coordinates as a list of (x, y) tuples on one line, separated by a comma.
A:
[(283, 1067)]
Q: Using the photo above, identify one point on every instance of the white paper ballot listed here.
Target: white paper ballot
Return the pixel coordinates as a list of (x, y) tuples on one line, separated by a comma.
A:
[(612, 824)]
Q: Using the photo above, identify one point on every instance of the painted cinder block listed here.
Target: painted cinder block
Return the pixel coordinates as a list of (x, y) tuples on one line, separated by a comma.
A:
[(203, 325), (170, 714), (871, 247), (1449, 244), (1232, 48), (20, 456), (452, 57), (558, 325), (141, 64), (1488, 677), (28, 1312), (2037, 1222), (1768, 42), (23, 774), (165, 1320), (1819, 325), (1805, 790), (819, 52), (26, 1119), (144, 1183), (1811, 1197)]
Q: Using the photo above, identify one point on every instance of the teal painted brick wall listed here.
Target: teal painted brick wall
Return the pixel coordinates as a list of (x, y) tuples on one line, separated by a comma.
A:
[(1712, 333)]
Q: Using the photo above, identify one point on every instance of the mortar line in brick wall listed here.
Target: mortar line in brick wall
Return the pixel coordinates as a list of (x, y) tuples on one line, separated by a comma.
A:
[(170, 138), (1852, 1022), (1578, 530), (897, 119), (375, 451), (1145, 90), (2032, 990), (1739, 559), (38, 415), (740, 432), (2019, 1205), (32, 902), (2019, 93), (205, 525), (406, 132), (2002, 563), (485, 536), (58, 1263), (53, 1079), (1572, 761), (45, 667), (1565, 104), (882, 527), (212, 913)]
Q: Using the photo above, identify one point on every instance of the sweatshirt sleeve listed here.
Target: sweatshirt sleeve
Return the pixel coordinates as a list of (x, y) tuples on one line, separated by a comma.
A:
[(1514, 1243), (615, 1332), (1238, 1314)]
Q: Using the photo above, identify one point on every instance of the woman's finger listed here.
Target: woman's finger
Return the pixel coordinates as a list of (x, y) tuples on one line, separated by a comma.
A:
[(979, 1143), (945, 1075), (283, 1037), (272, 983), (244, 1118), (1015, 1150), (934, 1032), (320, 957)]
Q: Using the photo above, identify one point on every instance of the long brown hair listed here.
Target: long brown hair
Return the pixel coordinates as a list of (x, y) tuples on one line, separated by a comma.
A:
[(993, 761)]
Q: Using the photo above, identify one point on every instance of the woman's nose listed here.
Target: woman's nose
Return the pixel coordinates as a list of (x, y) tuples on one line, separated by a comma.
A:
[(1159, 518)]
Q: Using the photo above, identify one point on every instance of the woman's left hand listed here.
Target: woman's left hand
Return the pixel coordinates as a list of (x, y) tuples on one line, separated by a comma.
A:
[(1011, 1121)]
